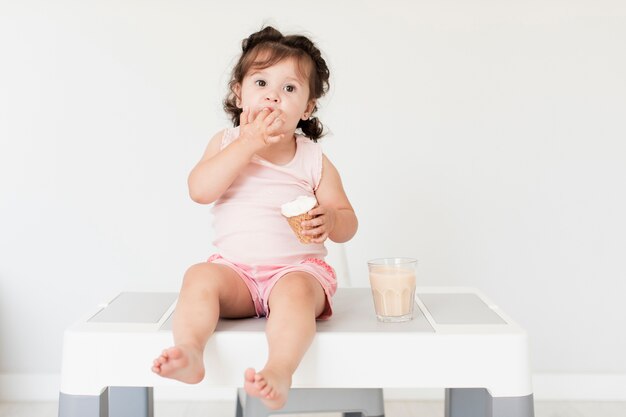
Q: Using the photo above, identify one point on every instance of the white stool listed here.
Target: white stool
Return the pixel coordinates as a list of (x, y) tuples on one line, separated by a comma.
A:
[(458, 340)]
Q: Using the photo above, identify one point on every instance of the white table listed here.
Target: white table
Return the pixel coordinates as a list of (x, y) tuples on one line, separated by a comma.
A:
[(458, 340)]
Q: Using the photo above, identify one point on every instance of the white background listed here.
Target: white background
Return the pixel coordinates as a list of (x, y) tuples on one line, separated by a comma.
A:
[(485, 138)]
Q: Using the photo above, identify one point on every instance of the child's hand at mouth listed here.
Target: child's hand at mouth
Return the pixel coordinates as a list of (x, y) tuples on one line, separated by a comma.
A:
[(261, 129)]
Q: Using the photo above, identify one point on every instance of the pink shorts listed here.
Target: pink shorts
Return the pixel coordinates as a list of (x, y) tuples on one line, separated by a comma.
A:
[(261, 279)]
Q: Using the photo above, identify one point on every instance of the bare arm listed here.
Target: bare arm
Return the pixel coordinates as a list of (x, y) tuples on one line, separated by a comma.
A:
[(335, 217), (217, 169)]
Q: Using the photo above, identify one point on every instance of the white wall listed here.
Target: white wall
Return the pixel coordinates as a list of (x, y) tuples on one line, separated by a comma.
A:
[(485, 138)]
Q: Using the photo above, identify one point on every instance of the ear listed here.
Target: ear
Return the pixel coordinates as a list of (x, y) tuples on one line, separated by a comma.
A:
[(237, 91), (309, 109)]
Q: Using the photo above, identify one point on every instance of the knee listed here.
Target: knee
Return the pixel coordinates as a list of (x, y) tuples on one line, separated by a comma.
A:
[(201, 277), (297, 287)]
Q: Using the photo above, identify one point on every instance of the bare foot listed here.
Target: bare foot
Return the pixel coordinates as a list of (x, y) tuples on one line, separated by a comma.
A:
[(181, 362), (270, 386)]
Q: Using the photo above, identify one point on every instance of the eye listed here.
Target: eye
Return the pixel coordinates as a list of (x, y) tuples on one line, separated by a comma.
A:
[(260, 83), (290, 88)]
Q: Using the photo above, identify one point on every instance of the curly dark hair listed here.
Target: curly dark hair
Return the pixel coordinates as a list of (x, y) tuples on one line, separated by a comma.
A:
[(276, 47)]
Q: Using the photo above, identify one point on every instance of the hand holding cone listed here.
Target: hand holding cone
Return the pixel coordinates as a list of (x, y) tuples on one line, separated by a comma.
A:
[(296, 212)]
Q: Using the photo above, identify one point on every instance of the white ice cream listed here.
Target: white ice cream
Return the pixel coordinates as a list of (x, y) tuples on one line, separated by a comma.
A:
[(298, 206)]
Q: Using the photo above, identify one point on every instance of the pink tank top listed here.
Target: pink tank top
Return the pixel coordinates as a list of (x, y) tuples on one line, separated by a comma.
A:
[(249, 227)]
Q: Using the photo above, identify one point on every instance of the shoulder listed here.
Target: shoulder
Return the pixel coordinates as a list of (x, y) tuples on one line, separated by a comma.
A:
[(229, 135), (329, 176), (226, 136), (328, 167), (330, 191), (309, 149), (220, 140), (309, 155)]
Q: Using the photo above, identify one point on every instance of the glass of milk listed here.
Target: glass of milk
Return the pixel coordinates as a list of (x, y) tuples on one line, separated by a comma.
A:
[(393, 288)]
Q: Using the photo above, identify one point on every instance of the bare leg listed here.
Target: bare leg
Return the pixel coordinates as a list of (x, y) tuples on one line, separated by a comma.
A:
[(208, 292), (295, 301)]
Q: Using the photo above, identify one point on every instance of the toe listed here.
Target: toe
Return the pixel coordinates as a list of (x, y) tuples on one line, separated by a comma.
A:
[(249, 375), (261, 387)]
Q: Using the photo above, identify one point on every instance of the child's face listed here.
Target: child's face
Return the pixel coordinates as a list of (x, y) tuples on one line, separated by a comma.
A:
[(280, 86)]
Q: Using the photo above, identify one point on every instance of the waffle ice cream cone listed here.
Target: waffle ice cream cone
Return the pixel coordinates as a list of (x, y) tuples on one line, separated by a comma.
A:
[(296, 212), (297, 228)]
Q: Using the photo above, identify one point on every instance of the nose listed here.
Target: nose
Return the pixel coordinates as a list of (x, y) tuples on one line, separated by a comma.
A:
[(272, 97)]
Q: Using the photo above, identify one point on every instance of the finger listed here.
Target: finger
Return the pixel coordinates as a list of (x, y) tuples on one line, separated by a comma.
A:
[(317, 211), (275, 139), (272, 117), (250, 114), (309, 224), (314, 231), (320, 239), (273, 130), (274, 126), (243, 117), (261, 115)]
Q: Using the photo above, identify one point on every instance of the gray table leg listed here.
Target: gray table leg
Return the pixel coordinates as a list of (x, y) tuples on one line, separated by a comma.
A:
[(84, 405), (131, 402), (513, 406), (113, 402), (477, 402), (367, 402), (240, 399)]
